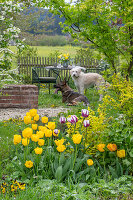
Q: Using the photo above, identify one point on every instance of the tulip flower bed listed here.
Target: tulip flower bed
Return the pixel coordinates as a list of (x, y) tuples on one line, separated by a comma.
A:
[(45, 151)]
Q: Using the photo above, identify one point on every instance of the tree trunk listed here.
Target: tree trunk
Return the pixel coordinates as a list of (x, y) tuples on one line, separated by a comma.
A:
[(131, 53)]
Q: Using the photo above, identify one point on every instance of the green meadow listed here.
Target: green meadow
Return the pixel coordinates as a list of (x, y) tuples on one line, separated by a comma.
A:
[(46, 51)]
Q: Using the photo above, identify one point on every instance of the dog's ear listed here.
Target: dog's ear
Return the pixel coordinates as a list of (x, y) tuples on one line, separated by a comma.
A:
[(65, 81), (79, 70), (71, 71)]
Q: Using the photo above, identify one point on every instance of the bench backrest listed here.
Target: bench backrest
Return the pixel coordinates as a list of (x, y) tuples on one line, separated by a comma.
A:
[(35, 77)]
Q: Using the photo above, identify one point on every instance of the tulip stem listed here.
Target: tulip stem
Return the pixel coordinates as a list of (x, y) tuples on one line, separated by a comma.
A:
[(104, 162), (75, 156), (85, 138)]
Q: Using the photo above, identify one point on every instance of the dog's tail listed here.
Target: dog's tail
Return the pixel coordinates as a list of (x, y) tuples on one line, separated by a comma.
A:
[(86, 101)]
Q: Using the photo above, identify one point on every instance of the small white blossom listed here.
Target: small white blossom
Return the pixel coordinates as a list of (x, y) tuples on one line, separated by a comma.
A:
[(2, 18)]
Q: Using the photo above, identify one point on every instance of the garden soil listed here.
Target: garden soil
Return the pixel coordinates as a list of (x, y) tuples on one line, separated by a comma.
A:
[(15, 113)]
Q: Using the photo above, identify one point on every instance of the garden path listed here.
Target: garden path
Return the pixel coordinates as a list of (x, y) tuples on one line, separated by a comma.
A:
[(13, 113)]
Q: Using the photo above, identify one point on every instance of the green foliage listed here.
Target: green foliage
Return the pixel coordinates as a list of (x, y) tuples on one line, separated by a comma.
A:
[(47, 40), (107, 27), (27, 52), (35, 20), (50, 189), (10, 77)]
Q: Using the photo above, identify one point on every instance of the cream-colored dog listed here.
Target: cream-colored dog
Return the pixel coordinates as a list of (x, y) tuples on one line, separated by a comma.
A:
[(84, 80)]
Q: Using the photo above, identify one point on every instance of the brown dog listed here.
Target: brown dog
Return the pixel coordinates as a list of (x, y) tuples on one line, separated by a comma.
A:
[(68, 95)]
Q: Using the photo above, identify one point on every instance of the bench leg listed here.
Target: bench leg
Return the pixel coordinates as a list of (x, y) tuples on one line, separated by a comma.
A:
[(38, 88), (49, 87)]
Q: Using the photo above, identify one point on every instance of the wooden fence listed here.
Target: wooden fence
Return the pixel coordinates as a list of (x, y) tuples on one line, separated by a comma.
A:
[(25, 65)]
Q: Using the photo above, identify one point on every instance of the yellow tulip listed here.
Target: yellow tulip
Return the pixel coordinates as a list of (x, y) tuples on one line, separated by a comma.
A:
[(44, 120), (29, 164), (48, 133), (59, 142), (27, 132), (34, 137), (100, 147), (40, 134), (42, 128), (51, 125), (61, 148), (89, 162), (27, 119), (112, 147), (76, 138), (25, 141), (17, 139), (121, 153), (38, 150), (33, 112), (41, 142), (36, 117), (34, 126)]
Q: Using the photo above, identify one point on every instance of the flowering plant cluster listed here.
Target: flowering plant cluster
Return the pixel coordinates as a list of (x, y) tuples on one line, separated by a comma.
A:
[(13, 186), (46, 149), (9, 32), (64, 58)]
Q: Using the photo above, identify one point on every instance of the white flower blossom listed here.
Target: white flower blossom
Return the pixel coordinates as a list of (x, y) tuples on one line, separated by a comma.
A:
[(2, 18)]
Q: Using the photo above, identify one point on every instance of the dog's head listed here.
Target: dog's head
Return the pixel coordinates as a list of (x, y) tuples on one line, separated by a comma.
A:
[(60, 85), (75, 72)]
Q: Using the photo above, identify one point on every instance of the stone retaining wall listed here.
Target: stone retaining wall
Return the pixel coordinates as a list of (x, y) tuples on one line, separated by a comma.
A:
[(19, 96)]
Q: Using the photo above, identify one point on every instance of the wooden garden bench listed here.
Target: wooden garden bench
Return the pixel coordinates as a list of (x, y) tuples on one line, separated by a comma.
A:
[(36, 78)]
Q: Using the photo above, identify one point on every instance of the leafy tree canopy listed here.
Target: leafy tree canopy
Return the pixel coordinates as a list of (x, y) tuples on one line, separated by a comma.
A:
[(106, 24)]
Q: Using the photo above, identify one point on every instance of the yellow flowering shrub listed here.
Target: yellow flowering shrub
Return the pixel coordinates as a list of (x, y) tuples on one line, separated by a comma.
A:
[(14, 186), (124, 92), (93, 132), (121, 98)]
